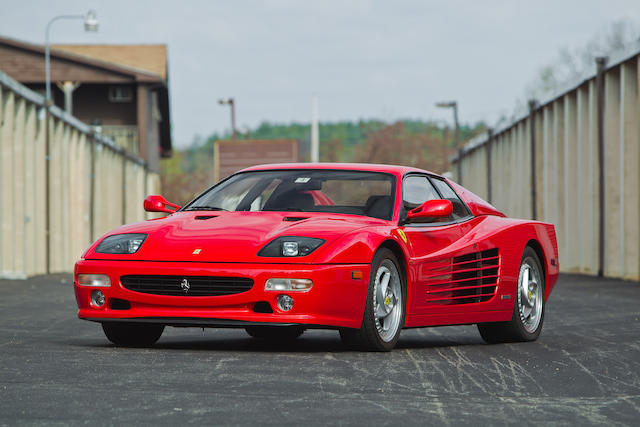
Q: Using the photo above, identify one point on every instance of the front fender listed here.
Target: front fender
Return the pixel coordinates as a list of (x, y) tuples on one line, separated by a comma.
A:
[(359, 246)]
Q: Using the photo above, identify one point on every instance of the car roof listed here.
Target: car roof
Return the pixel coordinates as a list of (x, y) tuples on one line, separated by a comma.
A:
[(367, 167)]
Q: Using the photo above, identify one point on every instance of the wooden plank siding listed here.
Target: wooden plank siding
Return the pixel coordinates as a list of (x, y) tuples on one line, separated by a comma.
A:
[(117, 194)]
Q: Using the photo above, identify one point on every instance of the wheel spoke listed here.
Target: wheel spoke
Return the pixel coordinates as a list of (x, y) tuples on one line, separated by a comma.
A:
[(381, 312), (379, 296), (525, 289), (524, 299), (384, 282)]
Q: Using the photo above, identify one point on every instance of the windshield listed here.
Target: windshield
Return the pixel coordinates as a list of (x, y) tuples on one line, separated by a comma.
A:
[(335, 191)]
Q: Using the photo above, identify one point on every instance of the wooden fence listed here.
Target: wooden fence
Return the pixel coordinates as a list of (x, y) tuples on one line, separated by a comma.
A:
[(51, 210)]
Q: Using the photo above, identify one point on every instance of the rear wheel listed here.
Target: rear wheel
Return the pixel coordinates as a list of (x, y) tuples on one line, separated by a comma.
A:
[(275, 333), (132, 334), (528, 310), (384, 311)]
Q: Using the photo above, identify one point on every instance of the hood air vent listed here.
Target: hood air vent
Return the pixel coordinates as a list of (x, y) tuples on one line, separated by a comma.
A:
[(294, 218), (203, 217)]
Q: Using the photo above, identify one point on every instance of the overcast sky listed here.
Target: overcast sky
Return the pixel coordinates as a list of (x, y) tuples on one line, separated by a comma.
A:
[(364, 59)]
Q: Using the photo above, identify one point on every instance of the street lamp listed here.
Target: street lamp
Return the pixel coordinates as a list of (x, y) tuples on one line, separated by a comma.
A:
[(456, 131), (90, 25), (231, 103), (454, 105)]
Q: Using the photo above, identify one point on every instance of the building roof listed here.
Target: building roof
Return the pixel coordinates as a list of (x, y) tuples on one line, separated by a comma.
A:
[(140, 64), (99, 63), (151, 58)]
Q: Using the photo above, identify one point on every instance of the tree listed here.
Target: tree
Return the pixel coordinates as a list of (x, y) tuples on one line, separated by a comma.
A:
[(394, 145), (570, 64)]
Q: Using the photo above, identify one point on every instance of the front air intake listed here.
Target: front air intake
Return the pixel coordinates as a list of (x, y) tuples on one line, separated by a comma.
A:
[(187, 286)]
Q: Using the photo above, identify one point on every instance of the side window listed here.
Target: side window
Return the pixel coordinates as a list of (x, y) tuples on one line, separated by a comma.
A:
[(459, 208), (416, 190)]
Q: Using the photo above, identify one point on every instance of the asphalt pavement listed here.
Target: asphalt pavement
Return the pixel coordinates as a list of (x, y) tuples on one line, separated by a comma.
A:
[(584, 370)]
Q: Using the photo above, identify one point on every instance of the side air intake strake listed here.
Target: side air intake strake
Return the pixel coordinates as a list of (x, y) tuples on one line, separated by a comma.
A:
[(464, 279)]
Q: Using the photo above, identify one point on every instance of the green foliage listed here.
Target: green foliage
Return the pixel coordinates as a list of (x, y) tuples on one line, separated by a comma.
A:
[(409, 142)]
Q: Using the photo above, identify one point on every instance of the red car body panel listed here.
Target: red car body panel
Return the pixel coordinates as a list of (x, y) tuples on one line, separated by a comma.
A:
[(432, 257)]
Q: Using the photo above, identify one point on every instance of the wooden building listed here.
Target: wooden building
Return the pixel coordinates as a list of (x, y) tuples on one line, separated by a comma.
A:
[(120, 90), (229, 156)]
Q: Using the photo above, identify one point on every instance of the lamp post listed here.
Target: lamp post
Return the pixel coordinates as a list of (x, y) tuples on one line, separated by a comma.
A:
[(90, 25), (232, 104), (456, 129)]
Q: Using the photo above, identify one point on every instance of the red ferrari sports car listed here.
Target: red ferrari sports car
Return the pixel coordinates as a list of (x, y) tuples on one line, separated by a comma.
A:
[(364, 249)]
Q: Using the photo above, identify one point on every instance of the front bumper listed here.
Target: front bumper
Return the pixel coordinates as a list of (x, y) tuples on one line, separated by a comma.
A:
[(335, 300)]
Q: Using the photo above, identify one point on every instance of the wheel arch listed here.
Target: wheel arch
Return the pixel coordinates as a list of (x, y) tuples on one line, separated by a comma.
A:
[(403, 260), (395, 247)]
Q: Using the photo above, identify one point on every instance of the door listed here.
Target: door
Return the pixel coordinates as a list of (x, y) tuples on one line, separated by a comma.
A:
[(431, 246)]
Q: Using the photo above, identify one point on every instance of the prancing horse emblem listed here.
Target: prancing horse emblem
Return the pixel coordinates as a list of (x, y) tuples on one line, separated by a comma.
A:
[(184, 285)]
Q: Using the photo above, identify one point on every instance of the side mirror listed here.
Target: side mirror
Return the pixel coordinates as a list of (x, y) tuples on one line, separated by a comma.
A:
[(158, 204), (438, 208)]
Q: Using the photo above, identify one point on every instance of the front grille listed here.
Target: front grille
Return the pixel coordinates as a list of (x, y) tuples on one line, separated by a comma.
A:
[(464, 279), (196, 286)]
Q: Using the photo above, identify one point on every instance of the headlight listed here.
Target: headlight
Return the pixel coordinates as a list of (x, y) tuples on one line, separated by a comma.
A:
[(291, 246), (121, 244)]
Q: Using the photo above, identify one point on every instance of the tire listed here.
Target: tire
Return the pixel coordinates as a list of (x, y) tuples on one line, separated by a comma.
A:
[(385, 307), (528, 306), (132, 334), (275, 333)]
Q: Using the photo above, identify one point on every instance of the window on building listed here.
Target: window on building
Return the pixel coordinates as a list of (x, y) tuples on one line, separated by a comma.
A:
[(120, 94)]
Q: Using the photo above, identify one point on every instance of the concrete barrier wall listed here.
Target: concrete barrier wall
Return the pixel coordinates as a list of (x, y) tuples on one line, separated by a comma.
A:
[(93, 185), (564, 188)]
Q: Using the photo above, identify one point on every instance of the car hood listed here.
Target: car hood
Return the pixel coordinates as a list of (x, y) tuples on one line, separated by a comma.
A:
[(197, 236)]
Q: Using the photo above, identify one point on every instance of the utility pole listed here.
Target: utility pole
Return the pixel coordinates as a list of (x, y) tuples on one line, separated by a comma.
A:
[(315, 138)]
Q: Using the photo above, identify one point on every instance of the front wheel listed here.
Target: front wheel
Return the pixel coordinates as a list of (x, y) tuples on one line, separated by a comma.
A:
[(132, 334), (384, 311), (528, 309)]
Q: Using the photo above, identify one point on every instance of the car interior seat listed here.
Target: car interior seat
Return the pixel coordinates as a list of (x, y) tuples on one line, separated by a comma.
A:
[(291, 200), (379, 207)]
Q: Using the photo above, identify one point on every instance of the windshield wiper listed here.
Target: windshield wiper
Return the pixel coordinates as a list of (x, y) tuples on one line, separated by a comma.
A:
[(204, 208)]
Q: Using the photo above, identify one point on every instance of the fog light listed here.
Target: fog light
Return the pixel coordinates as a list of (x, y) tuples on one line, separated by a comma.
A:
[(285, 302), (97, 298), (300, 285), (94, 280)]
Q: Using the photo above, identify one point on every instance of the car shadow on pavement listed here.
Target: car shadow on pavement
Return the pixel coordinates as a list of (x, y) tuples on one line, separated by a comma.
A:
[(325, 343)]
